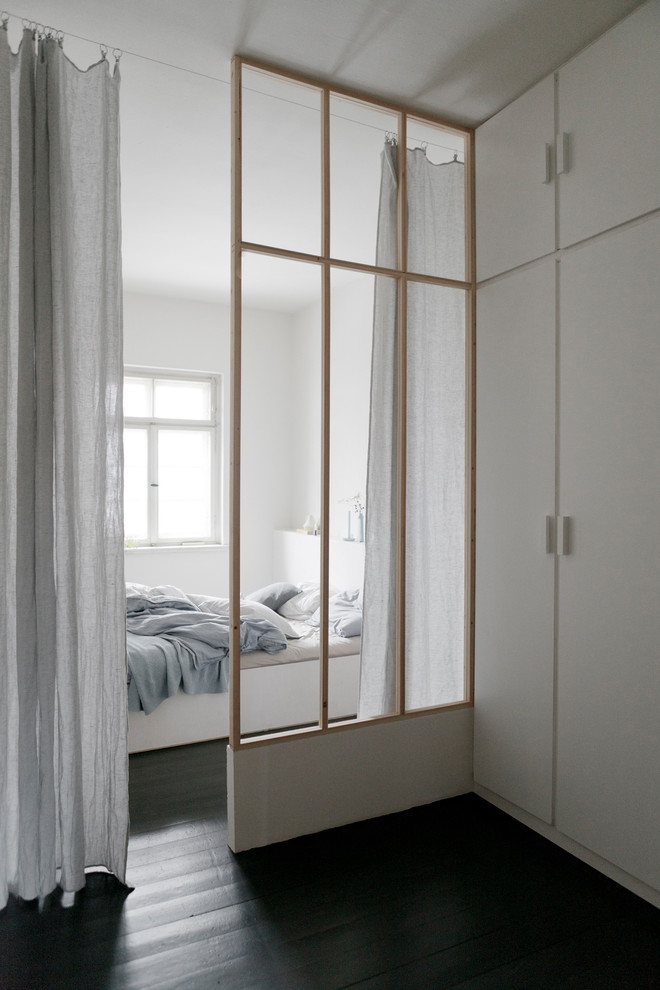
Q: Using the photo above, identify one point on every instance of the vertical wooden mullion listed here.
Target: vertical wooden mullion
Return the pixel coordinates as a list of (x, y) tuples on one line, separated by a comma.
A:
[(325, 414), (402, 324), (152, 481), (235, 425)]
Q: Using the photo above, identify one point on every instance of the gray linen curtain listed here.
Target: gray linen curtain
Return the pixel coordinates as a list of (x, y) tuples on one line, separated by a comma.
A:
[(436, 446), (63, 748)]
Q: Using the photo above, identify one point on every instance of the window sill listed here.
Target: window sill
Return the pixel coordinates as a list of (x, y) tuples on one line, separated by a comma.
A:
[(177, 546)]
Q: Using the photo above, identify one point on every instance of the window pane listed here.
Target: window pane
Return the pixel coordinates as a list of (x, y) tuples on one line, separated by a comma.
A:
[(184, 484), (137, 396), (281, 162), (357, 139), (182, 399), (280, 418), (375, 409), (136, 485), (351, 333), (436, 201), (281, 451), (435, 496)]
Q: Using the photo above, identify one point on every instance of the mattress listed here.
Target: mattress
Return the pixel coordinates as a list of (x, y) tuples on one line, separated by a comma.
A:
[(305, 648)]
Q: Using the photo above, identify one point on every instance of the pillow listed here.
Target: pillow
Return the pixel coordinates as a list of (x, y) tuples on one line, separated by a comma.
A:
[(347, 624), (136, 589), (249, 610), (274, 595), (303, 604)]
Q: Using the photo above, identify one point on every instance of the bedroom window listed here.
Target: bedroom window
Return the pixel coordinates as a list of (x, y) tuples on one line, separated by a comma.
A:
[(170, 458)]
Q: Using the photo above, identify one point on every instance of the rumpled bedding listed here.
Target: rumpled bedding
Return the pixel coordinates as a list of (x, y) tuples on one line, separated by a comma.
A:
[(172, 643), (344, 614)]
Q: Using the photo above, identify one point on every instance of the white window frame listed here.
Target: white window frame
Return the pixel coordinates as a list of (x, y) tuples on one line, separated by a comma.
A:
[(153, 426)]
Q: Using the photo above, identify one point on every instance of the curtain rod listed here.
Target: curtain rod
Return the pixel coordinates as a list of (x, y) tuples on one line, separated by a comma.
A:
[(117, 52), (45, 31), (32, 25)]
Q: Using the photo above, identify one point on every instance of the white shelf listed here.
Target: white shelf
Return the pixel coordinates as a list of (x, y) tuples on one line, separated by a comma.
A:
[(297, 558)]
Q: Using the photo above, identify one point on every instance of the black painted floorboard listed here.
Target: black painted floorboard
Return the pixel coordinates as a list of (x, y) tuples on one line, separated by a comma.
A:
[(455, 894)]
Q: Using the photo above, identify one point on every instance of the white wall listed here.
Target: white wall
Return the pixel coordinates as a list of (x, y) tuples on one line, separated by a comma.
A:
[(281, 420), (190, 335), (185, 335)]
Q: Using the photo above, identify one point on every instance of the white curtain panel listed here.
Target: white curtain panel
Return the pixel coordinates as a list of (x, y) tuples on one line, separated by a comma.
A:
[(436, 448), (63, 721)]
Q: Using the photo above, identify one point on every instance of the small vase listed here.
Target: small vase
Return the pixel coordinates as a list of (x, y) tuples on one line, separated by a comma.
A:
[(360, 528)]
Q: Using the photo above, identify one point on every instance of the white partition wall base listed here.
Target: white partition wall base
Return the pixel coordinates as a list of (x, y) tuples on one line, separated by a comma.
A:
[(299, 786), (604, 866)]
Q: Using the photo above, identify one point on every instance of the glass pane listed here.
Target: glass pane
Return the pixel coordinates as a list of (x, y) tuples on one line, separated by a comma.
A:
[(357, 138), (182, 399), (435, 496), (136, 485), (184, 484), (281, 162), (281, 456), (352, 304), (371, 362), (436, 201), (137, 396)]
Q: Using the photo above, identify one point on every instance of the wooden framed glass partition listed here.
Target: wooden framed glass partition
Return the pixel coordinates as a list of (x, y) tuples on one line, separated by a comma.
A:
[(320, 229)]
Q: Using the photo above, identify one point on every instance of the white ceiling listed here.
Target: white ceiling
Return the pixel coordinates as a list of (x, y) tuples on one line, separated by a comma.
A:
[(461, 59)]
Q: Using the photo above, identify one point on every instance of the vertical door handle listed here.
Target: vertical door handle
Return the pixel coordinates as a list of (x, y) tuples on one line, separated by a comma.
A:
[(548, 165), (550, 546), (563, 535), (563, 153)]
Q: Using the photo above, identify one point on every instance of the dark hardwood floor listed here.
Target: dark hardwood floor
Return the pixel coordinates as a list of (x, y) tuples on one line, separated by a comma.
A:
[(455, 894)]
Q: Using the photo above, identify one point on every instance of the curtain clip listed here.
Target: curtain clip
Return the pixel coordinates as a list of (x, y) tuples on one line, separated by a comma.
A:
[(104, 52), (4, 19), (117, 54)]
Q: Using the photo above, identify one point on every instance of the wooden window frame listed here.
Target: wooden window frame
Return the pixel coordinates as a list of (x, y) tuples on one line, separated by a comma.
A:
[(327, 263), (153, 424)]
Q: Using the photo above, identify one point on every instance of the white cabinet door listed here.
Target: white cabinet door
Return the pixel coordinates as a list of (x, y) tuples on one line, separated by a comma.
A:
[(515, 208), (609, 105), (608, 771), (514, 644)]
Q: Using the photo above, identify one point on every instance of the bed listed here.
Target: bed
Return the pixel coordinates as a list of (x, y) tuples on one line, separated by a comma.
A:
[(279, 684)]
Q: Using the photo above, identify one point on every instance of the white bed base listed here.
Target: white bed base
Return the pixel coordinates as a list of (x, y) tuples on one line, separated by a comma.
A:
[(272, 697)]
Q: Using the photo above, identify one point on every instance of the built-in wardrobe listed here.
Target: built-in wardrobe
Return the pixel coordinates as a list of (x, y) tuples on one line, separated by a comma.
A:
[(567, 664)]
